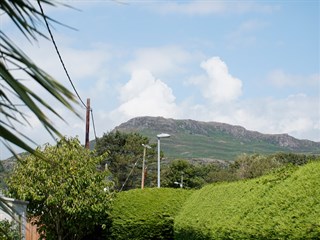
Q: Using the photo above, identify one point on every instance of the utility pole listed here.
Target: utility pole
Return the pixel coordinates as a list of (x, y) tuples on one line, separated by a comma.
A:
[(143, 174), (87, 124)]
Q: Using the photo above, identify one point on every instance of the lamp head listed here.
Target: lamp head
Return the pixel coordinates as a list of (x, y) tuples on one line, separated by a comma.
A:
[(163, 135), (146, 145)]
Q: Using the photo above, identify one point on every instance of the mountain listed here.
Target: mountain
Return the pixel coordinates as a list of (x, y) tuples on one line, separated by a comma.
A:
[(213, 140)]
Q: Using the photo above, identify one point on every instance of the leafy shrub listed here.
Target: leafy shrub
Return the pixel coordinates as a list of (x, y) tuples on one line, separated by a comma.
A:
[(9, 230), (283, 205), (146, 214)]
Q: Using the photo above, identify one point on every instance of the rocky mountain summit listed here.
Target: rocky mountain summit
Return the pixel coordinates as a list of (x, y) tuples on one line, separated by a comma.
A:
[(217, 135)]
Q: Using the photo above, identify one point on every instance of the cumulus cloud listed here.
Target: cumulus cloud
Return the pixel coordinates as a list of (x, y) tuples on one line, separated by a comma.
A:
[(144, 95), (218, 85)]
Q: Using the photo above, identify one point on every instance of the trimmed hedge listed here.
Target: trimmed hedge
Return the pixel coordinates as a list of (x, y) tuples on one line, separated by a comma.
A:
[(146, 214), (284, 205)]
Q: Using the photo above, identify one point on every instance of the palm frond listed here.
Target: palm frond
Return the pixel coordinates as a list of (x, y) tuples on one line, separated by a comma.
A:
[(26, 17)]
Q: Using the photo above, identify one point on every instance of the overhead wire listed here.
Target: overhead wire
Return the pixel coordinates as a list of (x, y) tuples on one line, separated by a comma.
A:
[(64, 67), (93, 125), (59, 55), (135, 164)]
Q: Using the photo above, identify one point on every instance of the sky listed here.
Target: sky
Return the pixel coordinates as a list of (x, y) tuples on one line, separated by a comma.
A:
[(250, 63)]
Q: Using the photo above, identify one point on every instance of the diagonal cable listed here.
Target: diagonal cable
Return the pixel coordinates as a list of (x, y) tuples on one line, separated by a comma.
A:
[(60, 58)]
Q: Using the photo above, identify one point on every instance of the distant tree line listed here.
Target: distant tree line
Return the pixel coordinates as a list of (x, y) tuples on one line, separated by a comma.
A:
[(246, 166), (124, 150)]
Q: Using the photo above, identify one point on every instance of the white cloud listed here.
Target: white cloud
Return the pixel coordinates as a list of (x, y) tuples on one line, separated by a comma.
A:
[(143, 95), (218, 85), (280, 79), (160, 60), (298, 115)]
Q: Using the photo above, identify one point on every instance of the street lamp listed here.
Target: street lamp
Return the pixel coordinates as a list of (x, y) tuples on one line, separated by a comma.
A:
[(145, 146), (161, 135), (181, 182)]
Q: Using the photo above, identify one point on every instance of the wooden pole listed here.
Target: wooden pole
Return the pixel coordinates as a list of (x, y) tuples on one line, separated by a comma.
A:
[(143, 167), (87, 124)]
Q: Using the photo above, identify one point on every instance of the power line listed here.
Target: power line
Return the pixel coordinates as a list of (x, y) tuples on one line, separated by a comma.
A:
[(65, 69), (60, 58), (135, 164), (93, 125)]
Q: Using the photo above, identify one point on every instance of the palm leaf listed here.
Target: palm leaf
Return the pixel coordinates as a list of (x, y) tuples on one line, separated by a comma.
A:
[(26, 18)]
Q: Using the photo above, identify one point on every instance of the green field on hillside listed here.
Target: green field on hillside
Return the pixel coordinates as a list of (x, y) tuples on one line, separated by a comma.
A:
[(218, 146)]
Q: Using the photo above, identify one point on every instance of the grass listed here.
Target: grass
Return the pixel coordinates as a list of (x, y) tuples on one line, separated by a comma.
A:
[(216, 146)]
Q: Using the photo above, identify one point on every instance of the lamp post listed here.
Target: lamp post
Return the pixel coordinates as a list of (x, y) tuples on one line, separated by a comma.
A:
[(159, 136), (181, 182), (145, 146)]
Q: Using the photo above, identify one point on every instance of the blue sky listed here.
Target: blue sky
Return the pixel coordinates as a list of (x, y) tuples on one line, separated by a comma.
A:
[(249, 63)]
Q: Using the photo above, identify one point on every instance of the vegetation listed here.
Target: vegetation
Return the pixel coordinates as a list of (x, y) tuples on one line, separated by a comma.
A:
[(182, 173), (255, 165), (17, 99), (124, 150), (146, 213), (283, 205), (9, 230), (195, 175), (68, 197)]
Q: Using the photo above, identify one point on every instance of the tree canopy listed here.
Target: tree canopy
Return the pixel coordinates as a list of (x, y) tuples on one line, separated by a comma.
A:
[(186, 174), (68, 195), (124, 151)]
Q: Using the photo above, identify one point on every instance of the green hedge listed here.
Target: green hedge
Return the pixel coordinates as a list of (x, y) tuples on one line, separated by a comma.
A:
[(284, 205), (146, 214)]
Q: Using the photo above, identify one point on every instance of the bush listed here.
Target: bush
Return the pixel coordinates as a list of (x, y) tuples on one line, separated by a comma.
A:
[(146, 214), (283, 205), (9, 230)]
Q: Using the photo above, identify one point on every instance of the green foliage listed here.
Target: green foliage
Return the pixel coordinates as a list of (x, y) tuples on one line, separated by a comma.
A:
[(66, 192), (251, 166), (283, 205), (293, 158), (255, 165), (146, 213), (124, 150), (9, 230), (246, 166), (191, 175)]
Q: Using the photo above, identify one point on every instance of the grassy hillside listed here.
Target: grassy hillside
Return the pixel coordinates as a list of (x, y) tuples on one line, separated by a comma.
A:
[(147, 213), (192, 139), (284, 205), (216, 146)]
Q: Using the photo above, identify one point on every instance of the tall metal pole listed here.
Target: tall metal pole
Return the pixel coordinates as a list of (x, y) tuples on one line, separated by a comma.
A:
[(158, 162), (87, 124), (143, 168)]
